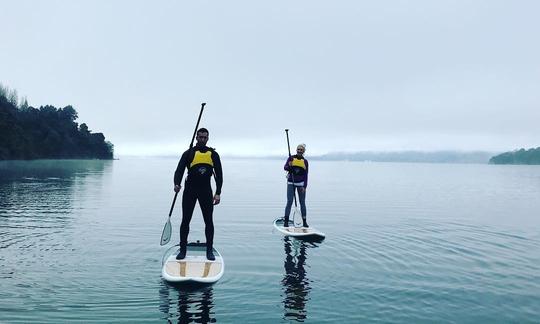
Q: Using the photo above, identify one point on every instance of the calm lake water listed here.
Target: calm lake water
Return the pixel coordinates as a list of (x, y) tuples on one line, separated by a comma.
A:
[(406, 243)]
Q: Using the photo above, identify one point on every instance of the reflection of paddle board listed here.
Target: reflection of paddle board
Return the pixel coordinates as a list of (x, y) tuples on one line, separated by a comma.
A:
[(194, 268), (300, 232)]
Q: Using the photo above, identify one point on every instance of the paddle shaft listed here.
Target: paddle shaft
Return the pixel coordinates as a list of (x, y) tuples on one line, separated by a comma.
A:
[(290, 171), (197, 126), (173, 201), (190, 146)]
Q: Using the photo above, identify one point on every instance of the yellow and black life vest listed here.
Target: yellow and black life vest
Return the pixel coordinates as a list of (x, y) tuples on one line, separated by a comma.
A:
[(201, 164), (202, 158), (299, 163), (298, 166)]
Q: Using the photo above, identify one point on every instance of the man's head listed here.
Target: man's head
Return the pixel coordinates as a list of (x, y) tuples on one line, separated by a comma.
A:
[(202, 136)]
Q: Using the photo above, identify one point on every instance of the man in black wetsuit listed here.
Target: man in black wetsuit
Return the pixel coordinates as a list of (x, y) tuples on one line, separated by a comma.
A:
[(201, 161)]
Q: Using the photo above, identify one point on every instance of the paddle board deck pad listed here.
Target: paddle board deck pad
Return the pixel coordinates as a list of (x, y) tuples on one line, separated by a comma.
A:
[(299, 232), (194, 268)]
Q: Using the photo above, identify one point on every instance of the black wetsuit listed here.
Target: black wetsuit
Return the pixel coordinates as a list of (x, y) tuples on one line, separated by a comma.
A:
[(197, 187)]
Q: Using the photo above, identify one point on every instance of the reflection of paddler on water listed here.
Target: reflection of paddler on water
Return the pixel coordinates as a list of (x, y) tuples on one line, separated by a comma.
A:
[(187, 305), (295, 282)]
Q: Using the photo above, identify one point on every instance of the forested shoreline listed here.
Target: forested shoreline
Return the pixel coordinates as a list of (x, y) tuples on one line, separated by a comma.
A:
[(521, 156), (46, 132)]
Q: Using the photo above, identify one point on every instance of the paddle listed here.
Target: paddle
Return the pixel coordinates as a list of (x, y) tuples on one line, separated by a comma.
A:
[(167, 229), (296, 211)]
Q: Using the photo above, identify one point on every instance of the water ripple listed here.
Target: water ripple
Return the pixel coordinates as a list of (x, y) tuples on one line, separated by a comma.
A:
[(82, 246)]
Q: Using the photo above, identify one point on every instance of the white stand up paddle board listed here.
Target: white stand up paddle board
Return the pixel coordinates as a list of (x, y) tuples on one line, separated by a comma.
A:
[(299, 232), (194, 268)]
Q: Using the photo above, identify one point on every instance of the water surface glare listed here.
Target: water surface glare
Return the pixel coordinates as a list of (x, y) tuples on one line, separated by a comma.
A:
[(406, 243)]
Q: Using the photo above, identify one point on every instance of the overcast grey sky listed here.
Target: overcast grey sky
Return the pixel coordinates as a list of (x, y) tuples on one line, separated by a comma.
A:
[(342, 75)]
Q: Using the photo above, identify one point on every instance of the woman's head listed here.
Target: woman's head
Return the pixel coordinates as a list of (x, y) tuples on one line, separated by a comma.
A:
[(301, 149)]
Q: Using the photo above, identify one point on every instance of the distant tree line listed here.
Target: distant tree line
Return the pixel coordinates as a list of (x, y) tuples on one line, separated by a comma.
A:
[(522, 156), (45, 132), (409, 156)]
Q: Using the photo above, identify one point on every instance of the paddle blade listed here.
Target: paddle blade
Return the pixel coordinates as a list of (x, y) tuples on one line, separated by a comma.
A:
[(166, 234)]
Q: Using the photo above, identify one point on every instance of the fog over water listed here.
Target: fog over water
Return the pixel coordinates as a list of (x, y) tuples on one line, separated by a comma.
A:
[(343, 76)]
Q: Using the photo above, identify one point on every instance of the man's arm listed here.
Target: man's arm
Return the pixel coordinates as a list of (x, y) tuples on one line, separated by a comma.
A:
[(179, 173), (219, 172)]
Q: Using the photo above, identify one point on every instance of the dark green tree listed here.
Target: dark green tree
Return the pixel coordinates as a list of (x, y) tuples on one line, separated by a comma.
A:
[(48, 132), (521, 156)]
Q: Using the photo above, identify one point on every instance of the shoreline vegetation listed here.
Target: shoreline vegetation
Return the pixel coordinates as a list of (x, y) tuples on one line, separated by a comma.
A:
[(47, 132), (521, 156)]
